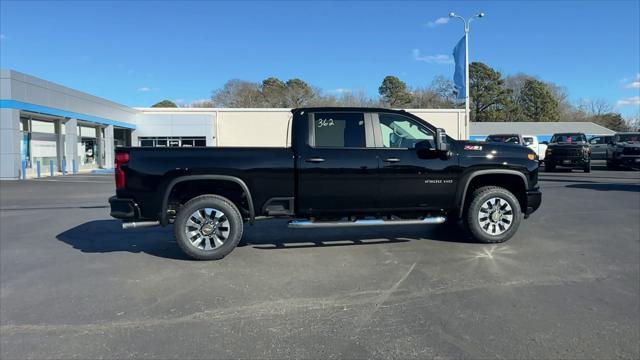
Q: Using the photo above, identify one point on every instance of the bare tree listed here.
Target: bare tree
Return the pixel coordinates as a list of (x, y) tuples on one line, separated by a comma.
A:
[(427, 99), (238, 94), (444, 88), (595, 107), (200, 104)]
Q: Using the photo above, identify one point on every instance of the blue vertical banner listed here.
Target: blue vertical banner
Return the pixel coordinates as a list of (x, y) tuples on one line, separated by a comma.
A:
[(459, 54)]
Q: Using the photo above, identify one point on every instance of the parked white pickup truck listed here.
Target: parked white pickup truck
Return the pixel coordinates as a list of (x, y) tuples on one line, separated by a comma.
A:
[(530, 141)]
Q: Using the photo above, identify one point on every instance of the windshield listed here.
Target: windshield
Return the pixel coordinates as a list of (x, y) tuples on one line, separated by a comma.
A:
[(512, 139), (568, 138), (635, 137)]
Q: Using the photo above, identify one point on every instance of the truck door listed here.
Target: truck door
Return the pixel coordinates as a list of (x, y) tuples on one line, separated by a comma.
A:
[(336, 170), (598, 147), (409, 180)]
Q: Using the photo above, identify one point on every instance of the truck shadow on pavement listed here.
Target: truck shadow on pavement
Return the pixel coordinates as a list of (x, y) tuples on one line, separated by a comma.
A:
[(106, 236), (606, 187)]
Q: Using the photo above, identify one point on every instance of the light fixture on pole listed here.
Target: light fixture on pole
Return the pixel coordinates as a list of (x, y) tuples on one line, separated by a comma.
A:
[(466, 59)]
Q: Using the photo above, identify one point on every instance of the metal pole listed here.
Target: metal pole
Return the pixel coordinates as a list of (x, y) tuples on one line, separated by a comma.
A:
[(38, 169), (466, 74), (467, 97), (51, 167)]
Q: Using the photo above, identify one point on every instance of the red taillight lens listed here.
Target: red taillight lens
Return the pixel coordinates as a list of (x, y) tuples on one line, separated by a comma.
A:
[(121, 159)]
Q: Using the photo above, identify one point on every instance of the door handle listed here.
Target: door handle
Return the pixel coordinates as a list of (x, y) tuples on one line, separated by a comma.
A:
[(391, 160), (314, 160)]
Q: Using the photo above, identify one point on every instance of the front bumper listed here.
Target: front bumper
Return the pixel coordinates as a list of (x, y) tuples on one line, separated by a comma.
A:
[(125, 209), (573, 162), (534, 199), (629, 160)]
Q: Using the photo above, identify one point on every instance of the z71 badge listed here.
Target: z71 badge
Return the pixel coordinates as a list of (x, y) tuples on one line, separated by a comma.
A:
[(473, 147)]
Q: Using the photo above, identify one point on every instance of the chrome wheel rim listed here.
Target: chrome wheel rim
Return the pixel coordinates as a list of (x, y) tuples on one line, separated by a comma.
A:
[(495, 216), (207, 229)]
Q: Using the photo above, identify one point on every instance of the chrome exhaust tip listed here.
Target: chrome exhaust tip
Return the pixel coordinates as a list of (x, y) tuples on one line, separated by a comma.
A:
[(139, 224)]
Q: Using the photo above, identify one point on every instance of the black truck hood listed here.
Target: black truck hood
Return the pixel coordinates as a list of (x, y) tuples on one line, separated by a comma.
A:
[(497, 149)]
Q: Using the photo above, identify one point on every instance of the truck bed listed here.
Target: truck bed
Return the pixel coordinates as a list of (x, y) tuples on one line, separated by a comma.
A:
[(267, 171)]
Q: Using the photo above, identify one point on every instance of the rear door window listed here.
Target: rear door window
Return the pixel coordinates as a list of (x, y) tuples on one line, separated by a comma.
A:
[(339, 130)]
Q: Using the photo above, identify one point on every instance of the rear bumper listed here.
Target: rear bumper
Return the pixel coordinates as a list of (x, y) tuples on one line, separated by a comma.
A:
[(534, 199), (124, 209)]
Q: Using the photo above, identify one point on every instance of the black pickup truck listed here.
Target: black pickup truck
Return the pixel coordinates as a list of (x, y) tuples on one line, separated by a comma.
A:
[(344, 167), (569, 150)]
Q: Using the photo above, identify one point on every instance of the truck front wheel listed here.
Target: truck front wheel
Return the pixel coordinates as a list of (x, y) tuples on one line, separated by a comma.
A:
[(493, 215), (208, 227)]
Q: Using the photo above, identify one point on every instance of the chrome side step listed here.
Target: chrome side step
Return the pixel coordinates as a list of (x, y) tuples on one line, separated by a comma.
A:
[(306, 224)]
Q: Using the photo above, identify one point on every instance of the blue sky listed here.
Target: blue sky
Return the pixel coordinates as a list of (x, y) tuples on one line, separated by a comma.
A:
[(137, 53)]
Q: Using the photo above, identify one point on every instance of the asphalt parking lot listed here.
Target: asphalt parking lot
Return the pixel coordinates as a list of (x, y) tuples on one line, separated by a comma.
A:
[(74, 285)]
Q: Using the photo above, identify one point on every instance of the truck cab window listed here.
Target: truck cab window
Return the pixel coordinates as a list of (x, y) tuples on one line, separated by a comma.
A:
[(339, 130), (402, 132)]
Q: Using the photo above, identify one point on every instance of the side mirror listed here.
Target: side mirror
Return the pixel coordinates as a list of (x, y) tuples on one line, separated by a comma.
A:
[(441, 140)]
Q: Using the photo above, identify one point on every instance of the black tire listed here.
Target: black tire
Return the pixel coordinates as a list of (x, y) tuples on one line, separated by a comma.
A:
[(479, 198), (549, 167), (230, 212)]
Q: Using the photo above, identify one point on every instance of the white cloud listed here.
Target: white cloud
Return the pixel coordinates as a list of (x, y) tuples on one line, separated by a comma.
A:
[(438, 21), (144, 89), (339, 91), (437, 59), (634, 100), (632, 83)]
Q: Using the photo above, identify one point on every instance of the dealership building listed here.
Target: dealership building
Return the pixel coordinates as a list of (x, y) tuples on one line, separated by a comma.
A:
[(49, 129)]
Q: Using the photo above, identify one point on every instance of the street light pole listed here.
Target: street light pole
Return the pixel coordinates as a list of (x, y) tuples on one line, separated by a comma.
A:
[(466, 62)]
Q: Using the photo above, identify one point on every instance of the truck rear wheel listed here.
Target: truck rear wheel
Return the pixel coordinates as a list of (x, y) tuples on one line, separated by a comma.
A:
[(493, 215), (208, 227)]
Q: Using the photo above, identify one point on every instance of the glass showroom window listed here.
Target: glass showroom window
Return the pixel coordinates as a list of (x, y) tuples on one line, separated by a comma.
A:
[(42, 145), (87, 146), (172, 141), (25, 136)]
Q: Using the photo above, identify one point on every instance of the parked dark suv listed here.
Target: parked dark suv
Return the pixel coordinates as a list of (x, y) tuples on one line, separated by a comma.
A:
[(569, 150), (624, 150)]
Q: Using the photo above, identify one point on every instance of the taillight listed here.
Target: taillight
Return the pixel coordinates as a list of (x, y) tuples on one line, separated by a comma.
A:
[(121, 159)]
